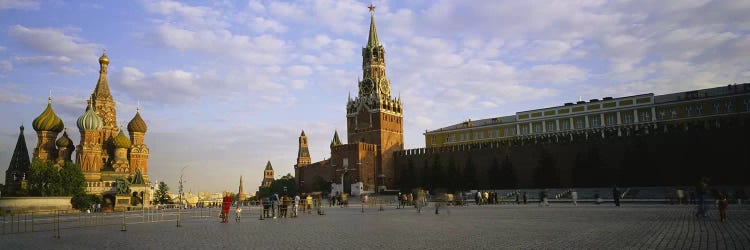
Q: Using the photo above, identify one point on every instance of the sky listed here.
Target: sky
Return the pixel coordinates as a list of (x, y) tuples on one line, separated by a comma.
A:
[(226, 86)]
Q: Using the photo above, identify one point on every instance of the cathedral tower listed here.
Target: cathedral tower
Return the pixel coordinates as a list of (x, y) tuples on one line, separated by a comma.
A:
[(267, 175), (89, 151), (139, 152), (104, 106), (65, 147), (120, 162), (18, 170), (241, 192), (374, 116), (303, 153), (47, 126)]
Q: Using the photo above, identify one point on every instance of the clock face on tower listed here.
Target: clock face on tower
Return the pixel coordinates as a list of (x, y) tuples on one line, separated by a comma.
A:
[(385, 89)]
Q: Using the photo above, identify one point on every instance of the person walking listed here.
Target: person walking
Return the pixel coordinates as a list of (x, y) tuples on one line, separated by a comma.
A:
[(518, 197), (616, 195), (226, 204), (296, 206), (238, 213), (525, 197), (723, 205), (479, 198), (274, 205), (700, 191), (574, 196), (308, 204)]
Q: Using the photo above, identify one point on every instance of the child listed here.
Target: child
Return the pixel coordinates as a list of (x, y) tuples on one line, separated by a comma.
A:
[(723, 204), (238, 214)]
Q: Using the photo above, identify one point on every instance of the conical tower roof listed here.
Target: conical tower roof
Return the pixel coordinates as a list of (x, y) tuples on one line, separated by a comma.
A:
[(101, 91), (372, 40), (48, 120), (268, 166), (336, 141), (20, 161)]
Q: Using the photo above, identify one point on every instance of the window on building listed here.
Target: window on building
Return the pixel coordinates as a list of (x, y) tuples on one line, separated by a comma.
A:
[(433, 140), (610, 120), (462, 138), (579, 123), (699, 109), (717, 108), (538, 128), (645, 116), (565, 124), (594, 122), (688, 111), (627, 118), (524, 130), (497, 133), (747, 104), (550, 127), (674, 113), (730, 105)]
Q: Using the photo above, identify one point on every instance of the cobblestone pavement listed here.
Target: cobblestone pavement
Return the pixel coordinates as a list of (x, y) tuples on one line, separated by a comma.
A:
[(560, 226)]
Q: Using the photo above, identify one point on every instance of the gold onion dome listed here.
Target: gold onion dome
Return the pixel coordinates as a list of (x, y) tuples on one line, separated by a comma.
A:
[(137, 124), (48, 120), (89, 120), (104, 59), (121, 141), (64, 141)]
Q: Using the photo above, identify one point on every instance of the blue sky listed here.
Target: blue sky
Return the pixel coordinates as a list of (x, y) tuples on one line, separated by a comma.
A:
[(227, 85)]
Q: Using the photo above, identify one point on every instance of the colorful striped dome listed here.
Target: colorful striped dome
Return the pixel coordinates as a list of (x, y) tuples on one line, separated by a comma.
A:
[(48, 120), (121, 141), (137, 124), (89, 120)]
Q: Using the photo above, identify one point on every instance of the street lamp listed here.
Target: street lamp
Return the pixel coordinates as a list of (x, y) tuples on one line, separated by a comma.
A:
[(180, 195)]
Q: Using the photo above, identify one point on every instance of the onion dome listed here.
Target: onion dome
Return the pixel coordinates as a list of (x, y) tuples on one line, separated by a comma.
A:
[(48, 120), (137, 124), (104, 59), (121, 141), (64, 141), (89, 120)]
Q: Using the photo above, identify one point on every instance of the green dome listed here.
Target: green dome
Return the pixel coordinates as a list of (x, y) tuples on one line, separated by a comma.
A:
[(64, 141), (137, 124), (89, 120), (122, 141), (48, 120)]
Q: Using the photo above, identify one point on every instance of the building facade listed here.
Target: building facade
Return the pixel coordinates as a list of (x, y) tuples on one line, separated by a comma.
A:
[(374, 133), (622, 115), (106, 155)]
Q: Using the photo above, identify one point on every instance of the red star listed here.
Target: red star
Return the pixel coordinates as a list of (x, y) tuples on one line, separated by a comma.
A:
[(371, 7)]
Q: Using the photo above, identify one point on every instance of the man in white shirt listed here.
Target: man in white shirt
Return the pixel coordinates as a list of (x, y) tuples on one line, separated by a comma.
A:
[(296, 206)]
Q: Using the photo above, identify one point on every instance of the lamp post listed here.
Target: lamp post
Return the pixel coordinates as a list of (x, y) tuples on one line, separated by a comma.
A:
[(180, 195)]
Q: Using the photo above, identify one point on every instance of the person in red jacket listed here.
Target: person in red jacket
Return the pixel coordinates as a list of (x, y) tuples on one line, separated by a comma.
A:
[(723, 204), (226, 204)]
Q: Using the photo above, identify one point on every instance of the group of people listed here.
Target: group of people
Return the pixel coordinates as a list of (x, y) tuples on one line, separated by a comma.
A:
[(485, 198), (338, 199), (275, 206)]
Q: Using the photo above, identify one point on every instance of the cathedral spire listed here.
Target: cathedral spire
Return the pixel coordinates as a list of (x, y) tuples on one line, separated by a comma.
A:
[(372, 40), (102, 85)]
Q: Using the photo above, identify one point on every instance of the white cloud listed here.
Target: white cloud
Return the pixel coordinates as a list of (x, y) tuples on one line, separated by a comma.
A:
[(555, 73), (192, 16), (174, 86), (299, 70), (43, 60), (19, 4), (261, 25), (9, 93), (55, 43), (5, 66)]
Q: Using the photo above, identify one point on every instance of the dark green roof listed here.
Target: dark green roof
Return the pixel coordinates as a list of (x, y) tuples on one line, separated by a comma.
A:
[(372, 40), (336, 141), (268, 166), (20, 161)]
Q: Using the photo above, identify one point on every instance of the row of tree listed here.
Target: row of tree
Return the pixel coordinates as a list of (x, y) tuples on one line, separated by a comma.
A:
[(282, 186)]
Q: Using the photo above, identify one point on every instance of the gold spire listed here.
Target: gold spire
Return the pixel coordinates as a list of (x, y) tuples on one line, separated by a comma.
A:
[(372, 40), (102, 85)]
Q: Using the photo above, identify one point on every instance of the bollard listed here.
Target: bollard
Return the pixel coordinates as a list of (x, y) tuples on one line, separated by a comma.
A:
[(124, 226), (57, 227), (32, 221), (178, 215), (261, 209), (363, 207)]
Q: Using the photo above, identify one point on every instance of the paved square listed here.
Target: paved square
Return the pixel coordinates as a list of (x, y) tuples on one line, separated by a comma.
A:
[(560, 226)]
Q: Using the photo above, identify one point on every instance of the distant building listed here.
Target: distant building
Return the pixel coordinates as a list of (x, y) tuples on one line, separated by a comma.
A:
[(621, 114), (267, 176), (241, 193)]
